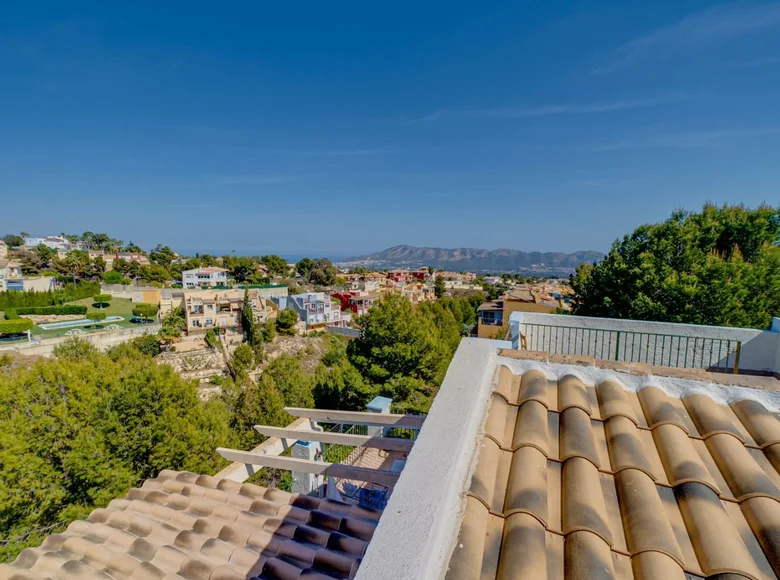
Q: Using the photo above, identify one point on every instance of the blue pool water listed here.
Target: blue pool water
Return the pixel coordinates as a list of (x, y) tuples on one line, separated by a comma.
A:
[(82, 322)]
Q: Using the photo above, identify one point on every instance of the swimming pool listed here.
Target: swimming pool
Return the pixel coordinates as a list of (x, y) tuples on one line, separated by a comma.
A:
[(82, 322)]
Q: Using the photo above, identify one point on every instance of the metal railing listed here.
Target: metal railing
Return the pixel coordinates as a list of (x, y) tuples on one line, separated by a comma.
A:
[(669, 350)]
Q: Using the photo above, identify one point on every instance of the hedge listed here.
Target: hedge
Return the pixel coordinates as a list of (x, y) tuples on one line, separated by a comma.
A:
[(15, 326), (57, 310), (18, 299)]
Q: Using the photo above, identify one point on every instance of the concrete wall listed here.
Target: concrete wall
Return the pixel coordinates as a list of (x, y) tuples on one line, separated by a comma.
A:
[(598, 337), (102, 340), (41, 284), (147, 294)]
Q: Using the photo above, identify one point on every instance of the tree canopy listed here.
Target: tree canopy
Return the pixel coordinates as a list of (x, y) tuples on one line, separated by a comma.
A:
[(720, 266), (80, 429)]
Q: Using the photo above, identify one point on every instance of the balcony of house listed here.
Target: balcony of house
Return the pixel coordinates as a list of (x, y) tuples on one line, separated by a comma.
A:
[(714, 349)]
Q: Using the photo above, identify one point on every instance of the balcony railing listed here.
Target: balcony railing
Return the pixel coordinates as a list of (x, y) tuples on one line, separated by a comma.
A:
[(669, 350)]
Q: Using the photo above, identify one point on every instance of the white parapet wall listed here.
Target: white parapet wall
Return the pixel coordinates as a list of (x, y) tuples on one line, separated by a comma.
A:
[(657, 343)]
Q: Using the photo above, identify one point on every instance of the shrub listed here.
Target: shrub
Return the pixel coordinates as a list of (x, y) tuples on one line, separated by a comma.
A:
[(15, 326), (101, 299), (212, 339), (286, 321), (146, 311), (96, 316), (11, 314), (58, 310)]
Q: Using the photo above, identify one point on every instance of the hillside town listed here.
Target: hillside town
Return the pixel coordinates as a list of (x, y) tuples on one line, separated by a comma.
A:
[(390, 291), (283, 420)]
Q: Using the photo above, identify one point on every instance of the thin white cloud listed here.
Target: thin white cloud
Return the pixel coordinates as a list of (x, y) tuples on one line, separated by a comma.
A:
[(564, 109), (685, 140), (701, 29)]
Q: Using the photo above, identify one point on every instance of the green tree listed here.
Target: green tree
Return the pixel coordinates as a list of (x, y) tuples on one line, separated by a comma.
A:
[(341, 387), (152, 273), (32, 263), (286, 321), (162, 256), (13, 240), (78, 431), (146, 311), (291, 380), (96, 316), (243, 360), (121, 266), (269, 331), (147, 344), (277, 266), (438, 286), (323, 272), (102, 299), (398, 340), (304, 267), (715, 267), (114, 277), (173, 324), (243, 269)]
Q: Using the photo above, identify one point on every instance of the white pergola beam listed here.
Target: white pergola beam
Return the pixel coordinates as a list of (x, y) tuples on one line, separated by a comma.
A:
[(387, 443), (377, 476), (358, 418)]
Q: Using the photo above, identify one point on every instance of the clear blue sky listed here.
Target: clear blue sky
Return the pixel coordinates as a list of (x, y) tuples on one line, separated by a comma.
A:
[(344, 127)]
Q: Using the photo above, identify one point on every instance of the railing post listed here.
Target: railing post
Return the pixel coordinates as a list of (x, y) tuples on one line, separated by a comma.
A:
[(736, 357), (617, 346)]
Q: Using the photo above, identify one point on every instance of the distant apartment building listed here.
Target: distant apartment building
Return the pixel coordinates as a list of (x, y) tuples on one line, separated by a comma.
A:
[(215, 309), (418, 293), (53, 242), (523, 298), (315, 309), (200, 277), (110, 257), (421, 274), (355, 301), (398, 276), (10, 274)]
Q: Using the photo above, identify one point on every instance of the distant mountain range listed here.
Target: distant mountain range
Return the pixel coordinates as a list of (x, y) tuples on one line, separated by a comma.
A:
[(502, 260)]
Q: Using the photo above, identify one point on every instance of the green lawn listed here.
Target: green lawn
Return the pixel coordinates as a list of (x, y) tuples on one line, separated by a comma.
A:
[(117, 307)]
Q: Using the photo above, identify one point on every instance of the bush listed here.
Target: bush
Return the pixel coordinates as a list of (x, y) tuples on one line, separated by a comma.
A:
[(96, 316), (146, 311), (286, 321), (147, 344), (101, 299), (56, 310), (212, 339), (15, 326), (17, 299)]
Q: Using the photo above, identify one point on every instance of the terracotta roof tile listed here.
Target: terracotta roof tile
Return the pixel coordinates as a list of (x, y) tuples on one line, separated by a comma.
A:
[(199, 527), (578, 481)]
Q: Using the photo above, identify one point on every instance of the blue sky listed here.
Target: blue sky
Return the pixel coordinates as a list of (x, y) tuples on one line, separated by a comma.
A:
[(345, 127)]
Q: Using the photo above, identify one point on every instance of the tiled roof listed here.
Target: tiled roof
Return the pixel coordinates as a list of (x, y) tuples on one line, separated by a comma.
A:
[(182, 525), (576, 482)]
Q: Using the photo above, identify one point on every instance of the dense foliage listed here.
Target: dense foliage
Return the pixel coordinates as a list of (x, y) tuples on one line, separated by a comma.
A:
[(15, 326), (286, 321), (720, 266), (65, 309), (16, 299), (80, 429)]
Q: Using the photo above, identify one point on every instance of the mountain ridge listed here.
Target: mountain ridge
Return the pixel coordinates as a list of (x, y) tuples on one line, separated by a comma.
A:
[(501, 259)]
